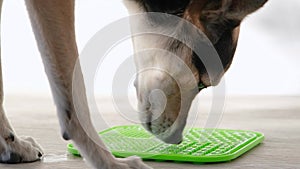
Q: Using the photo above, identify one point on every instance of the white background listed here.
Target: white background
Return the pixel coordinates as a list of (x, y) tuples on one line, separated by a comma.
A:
[(267, 60)]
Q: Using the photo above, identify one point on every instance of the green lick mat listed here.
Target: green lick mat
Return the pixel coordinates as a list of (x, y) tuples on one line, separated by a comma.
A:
[(199, 145)]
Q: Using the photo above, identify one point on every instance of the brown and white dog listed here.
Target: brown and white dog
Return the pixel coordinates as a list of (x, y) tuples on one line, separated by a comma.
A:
[(53, 25)]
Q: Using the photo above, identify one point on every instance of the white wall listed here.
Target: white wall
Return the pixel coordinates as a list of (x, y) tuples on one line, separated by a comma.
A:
[(266, 61), (268, 55)]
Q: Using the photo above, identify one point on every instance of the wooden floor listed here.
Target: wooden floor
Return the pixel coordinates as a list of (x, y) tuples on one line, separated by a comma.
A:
[(277, 117)]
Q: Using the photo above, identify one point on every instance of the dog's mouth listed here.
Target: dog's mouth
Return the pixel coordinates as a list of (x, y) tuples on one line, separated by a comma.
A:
[(160, 118), (167, 131)]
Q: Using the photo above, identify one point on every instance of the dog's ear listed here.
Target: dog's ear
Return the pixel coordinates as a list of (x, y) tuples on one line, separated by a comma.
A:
[(230, 9), (220, 15), (239, 9)]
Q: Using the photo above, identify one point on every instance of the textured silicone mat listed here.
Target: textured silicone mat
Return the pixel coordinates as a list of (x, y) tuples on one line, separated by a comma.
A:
[(199, 145)]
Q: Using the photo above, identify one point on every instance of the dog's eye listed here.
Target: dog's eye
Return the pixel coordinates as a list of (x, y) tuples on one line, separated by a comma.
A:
[(178, 13)]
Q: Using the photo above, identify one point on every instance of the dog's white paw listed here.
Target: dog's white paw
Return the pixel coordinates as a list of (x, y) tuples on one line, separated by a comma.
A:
[(20, 150), (132, 162)]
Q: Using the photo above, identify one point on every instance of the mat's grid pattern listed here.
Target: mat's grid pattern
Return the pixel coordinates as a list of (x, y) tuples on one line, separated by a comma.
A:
[(199, 145), (197, 141)]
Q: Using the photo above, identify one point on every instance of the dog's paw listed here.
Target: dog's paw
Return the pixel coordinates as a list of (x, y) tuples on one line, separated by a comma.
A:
[(132, 162), (20, 150)]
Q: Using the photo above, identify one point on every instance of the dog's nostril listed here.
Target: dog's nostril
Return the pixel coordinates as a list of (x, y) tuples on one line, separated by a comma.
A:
[(179, 142), (40, 154)]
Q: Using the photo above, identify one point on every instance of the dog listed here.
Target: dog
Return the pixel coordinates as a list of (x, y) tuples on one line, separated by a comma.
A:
[(53, 25)]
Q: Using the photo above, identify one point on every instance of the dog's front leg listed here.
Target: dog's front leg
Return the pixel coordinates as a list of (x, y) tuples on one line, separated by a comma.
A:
[(53, 25), (14, 149)]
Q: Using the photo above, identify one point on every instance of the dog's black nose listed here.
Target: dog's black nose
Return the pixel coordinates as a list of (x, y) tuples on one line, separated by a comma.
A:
[(40, 154), (179, 142), (148, 126)]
